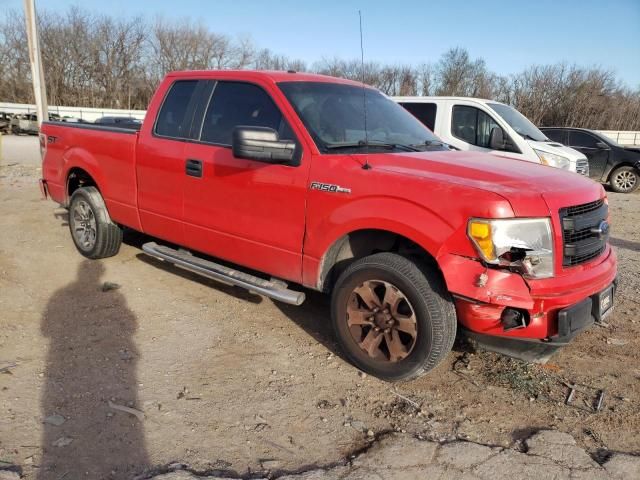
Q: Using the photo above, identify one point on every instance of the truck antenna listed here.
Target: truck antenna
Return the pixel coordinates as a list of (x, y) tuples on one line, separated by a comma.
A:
[(366, 165)]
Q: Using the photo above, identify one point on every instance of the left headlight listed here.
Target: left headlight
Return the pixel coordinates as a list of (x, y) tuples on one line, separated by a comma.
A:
[(524, 245), (553, 160)]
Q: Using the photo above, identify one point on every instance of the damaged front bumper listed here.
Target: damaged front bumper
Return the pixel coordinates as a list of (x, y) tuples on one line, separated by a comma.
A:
[(552, 311)]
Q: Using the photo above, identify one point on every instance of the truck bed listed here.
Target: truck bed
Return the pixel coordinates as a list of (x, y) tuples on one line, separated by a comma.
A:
[(103, 151)]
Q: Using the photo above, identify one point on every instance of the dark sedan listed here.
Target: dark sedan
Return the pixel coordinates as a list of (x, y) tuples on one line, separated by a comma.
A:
[(120, 122), (609, 162)]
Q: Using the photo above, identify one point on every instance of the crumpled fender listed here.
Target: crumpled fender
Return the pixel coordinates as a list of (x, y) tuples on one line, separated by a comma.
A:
[(501, 287)]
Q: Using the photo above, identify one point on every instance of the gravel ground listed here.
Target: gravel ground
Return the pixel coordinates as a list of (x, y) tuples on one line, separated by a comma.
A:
[(223, 380)]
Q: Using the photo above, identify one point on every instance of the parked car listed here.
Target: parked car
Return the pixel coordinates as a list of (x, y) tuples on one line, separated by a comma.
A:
[(69, 119), (24, 123), (279, 175), (609, 162), (487, 126), (5, 122), (120, 122)]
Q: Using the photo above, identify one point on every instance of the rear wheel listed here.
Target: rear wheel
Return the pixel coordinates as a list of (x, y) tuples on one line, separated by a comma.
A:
[(624, 179), (393, 319), (92, 230)]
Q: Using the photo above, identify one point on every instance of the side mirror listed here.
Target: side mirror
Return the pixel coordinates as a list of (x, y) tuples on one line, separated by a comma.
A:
[(602, 146), (496, 139), (261, 144)]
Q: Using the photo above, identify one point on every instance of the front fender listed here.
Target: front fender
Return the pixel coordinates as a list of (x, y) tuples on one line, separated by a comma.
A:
[(402, 217)]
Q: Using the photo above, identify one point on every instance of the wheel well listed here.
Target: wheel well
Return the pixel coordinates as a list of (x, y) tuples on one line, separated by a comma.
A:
[(78, 178), (362, 243)]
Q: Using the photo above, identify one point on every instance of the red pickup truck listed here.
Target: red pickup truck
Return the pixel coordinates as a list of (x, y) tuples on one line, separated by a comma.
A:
[(274, 178)]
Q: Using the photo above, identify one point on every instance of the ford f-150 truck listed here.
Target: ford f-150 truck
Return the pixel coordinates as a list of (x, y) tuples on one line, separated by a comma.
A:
[(272, 179)]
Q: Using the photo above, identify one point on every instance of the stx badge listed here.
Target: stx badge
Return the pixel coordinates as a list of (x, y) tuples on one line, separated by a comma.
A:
[(328, 187)]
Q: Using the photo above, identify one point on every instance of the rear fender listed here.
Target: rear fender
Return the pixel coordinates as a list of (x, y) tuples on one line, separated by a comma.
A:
[(80, 158)]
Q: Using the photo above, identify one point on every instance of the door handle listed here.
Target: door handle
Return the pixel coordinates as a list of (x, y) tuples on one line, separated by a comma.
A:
[(193, 167)]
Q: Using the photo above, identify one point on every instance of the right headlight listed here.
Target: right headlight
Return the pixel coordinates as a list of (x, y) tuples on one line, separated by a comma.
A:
[(521, 244), (553, 160)]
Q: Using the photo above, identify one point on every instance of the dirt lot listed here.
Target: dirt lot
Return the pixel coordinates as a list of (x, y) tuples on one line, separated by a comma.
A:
[(234, 382)]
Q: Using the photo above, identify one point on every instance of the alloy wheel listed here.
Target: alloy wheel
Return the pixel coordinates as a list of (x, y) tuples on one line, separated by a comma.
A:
[(83, 225), (625, 180), (382, 321)]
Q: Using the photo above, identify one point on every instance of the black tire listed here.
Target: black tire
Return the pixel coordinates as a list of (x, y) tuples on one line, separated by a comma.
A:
[(425, 293), (624, 179), (106, 237)]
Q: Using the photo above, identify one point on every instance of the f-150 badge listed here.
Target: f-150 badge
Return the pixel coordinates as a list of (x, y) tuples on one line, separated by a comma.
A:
[(329, 187)]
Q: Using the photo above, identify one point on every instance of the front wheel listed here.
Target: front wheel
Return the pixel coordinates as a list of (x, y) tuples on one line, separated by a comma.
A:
[(624, 179), (393, 319), (92, 230)]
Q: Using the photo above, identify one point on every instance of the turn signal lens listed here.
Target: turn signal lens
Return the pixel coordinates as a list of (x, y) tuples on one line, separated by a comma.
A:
[(480, 232)]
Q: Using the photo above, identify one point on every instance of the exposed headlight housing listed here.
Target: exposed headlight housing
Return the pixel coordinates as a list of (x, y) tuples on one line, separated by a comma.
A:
[(553, 160), (524, 245)]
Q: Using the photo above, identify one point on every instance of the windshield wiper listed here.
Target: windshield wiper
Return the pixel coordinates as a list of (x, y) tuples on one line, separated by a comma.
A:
[(528, 137), (432, 143), (374, 144)]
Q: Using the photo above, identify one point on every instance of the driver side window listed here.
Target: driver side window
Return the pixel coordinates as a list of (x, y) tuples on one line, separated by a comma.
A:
[(236, 104), (472, 125)]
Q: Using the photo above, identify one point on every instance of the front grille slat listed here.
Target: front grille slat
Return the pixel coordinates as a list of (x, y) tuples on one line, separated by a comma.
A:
[(584, 208), (581, 238)]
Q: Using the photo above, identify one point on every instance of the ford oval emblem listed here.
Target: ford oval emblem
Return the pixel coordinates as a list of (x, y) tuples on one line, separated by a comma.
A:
[(602, 230)]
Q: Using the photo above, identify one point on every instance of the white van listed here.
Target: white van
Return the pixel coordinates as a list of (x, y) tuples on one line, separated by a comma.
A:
[(488, 126)]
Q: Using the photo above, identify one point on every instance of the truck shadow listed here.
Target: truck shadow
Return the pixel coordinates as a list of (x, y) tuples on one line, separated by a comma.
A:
[(625, 244), (137, 239), (90, 366), (314, 317)]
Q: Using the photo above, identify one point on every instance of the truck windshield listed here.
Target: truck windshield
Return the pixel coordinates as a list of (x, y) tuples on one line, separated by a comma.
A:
[(521, 124), (334, 115)]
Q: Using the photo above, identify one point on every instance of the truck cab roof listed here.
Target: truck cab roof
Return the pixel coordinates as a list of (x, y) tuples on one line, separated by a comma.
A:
[(420, 99), (275, 76)]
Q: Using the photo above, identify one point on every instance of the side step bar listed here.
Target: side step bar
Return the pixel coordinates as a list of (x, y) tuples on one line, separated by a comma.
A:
[(273, 289)]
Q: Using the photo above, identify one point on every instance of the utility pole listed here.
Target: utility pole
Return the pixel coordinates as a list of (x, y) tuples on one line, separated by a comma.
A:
[(37, 73)]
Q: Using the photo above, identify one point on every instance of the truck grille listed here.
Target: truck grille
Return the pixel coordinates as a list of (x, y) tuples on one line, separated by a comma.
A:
[(582, 167), (582, 238)]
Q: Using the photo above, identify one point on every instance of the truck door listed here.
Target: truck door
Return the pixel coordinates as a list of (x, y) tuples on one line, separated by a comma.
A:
[(245, 211), (593, 149), (160, 162)]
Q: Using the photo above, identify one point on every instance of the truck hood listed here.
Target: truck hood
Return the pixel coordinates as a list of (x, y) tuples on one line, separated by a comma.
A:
[(527, 186)]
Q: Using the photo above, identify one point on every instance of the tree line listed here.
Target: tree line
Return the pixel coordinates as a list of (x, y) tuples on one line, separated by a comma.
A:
[(95, 60)]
